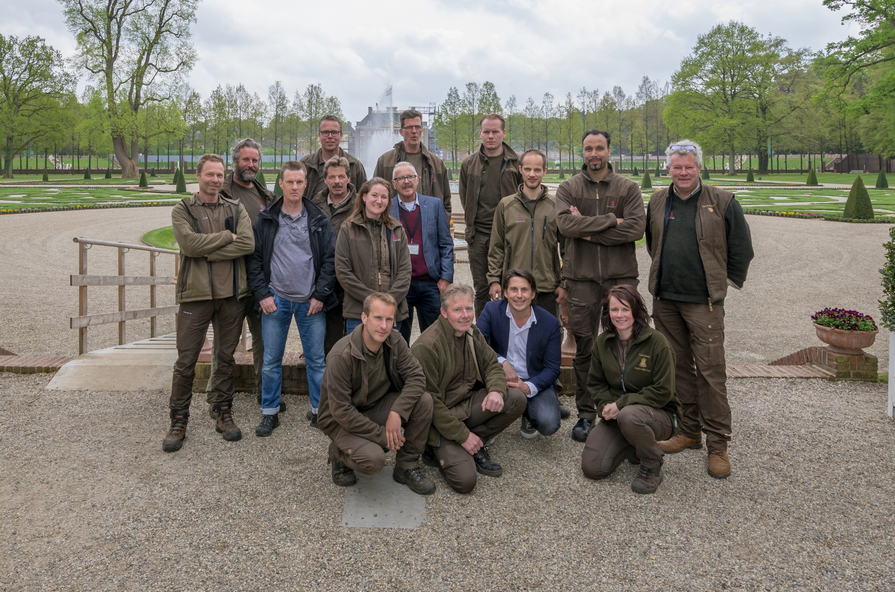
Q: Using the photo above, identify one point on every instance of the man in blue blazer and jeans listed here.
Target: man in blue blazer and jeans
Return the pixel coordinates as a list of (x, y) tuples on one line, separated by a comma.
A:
[(431, 247), (528, 343)]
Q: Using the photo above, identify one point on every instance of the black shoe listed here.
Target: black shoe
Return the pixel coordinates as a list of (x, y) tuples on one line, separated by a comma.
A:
[(415, 480), (282, 405), (268, 423), (582, 429), (526, 430), (564, 412), (342, 475), (647, 480), (484, 464), (313, 422), (429, 458)]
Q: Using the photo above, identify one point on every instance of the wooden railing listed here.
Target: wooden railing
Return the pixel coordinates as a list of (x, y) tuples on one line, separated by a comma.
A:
[(83, 281)]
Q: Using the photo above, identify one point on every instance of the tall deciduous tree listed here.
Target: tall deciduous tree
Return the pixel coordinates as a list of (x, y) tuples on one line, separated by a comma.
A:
[(449, 125), (278, 104), (32, 82), (134, 48)]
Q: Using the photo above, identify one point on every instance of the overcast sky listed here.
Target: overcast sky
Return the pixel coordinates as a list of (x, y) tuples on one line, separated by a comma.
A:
[(356, 48)]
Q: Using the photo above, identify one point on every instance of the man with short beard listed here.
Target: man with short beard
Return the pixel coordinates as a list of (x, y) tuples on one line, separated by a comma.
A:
[(336, 201), (602, 216), (329, 132), (241, 186)]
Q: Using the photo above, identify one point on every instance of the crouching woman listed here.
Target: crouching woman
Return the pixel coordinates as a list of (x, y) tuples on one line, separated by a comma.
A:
[(631, 380)]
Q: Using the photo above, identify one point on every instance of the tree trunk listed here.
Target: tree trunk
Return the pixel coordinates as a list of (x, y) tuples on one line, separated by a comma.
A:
[(127, 158), (7, 159), (732, 166)]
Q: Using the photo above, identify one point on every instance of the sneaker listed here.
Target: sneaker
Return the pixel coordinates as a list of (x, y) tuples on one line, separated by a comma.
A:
[(177, 433), (342, 475), (224, 423), (527, 430), (415, 480), (429, 457), (564, 412), (582, 429), (647, 480), (679, 442), (313, 422), (718, 464), (268, 423), (484, 464)]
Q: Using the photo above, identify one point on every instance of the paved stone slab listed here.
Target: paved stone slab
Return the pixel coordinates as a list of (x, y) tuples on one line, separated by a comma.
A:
[(379, 502), (141, 365)]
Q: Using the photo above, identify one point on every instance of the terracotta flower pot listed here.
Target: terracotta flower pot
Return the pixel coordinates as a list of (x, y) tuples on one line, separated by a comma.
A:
[(845, 342)]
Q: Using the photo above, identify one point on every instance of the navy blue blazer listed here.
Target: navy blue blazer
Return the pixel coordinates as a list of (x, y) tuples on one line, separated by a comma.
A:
[(438, 246), (543, 354)]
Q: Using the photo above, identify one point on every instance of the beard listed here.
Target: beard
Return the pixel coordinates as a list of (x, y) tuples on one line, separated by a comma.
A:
[(245, 175)]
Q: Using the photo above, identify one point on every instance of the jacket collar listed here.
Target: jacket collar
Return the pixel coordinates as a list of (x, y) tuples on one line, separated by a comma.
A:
[(356, 339), (522, 198), (608, 178), (508, 152), (644, 333)]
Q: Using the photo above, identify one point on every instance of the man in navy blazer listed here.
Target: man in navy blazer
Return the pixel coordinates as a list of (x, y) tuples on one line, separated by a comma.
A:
[(431, 247), (528, 343)]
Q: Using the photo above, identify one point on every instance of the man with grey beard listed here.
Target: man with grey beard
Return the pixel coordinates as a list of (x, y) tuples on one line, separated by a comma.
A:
[(242, 186)]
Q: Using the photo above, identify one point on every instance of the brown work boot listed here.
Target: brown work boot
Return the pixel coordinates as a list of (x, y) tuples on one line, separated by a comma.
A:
[(176, 435), (647, 480), (719, 464), (678, 442), (224, 423)]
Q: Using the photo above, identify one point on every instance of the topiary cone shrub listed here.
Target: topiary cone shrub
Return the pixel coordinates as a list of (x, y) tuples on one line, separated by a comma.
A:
[(143, 182), (647, 183), (636, 174), (180, 182), (108, 173), (277, 190), (705, 174), (152, 173), (87, 174), (260, 178), (858, 206), (750, 178), (812, 178), (881, 181), (46, 176)]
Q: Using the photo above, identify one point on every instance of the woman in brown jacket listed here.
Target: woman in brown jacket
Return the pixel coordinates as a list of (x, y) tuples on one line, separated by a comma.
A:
[(372, 254)]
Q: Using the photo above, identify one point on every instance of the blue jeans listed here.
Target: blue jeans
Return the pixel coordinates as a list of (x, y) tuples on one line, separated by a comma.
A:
[(274, 330), (426, 299), (350, 324), (543, 411)]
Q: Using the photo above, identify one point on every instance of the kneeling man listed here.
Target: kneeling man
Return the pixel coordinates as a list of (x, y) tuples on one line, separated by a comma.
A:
[(371, 388), (528, 344), (471, 401)]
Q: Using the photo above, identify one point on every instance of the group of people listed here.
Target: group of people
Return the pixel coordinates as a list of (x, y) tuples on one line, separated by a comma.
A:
[(352, 259)]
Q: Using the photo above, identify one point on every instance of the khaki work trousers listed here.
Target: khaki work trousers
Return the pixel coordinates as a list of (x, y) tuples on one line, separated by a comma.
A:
[(637, 429), (225, 316), (253, 318), (696, 333), (585, 299), (367, 457), (456, 464)]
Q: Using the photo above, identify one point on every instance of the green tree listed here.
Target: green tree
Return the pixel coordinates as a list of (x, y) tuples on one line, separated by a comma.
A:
[(32, 83), (310, 107), (449, 126), (278, 104), (570, 131), (93, 128), (135, 49), (812, 178), (881, 181)]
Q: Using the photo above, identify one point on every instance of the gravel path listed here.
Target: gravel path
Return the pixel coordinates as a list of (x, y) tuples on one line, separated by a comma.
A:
[(89, 501)]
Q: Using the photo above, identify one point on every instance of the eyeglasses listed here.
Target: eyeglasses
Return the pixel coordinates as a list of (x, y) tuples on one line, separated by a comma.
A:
[(330, 133), (413, 128), (405, 178), (687, 147)]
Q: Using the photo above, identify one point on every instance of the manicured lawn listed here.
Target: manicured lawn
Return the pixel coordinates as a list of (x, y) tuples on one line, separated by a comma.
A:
[(37, 198), (162, 238)]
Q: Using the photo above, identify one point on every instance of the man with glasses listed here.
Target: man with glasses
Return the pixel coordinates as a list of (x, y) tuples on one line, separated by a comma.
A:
[(486, 176), (601, 214), (700, 244), (433, 179), (431, 247), (329, 132)]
